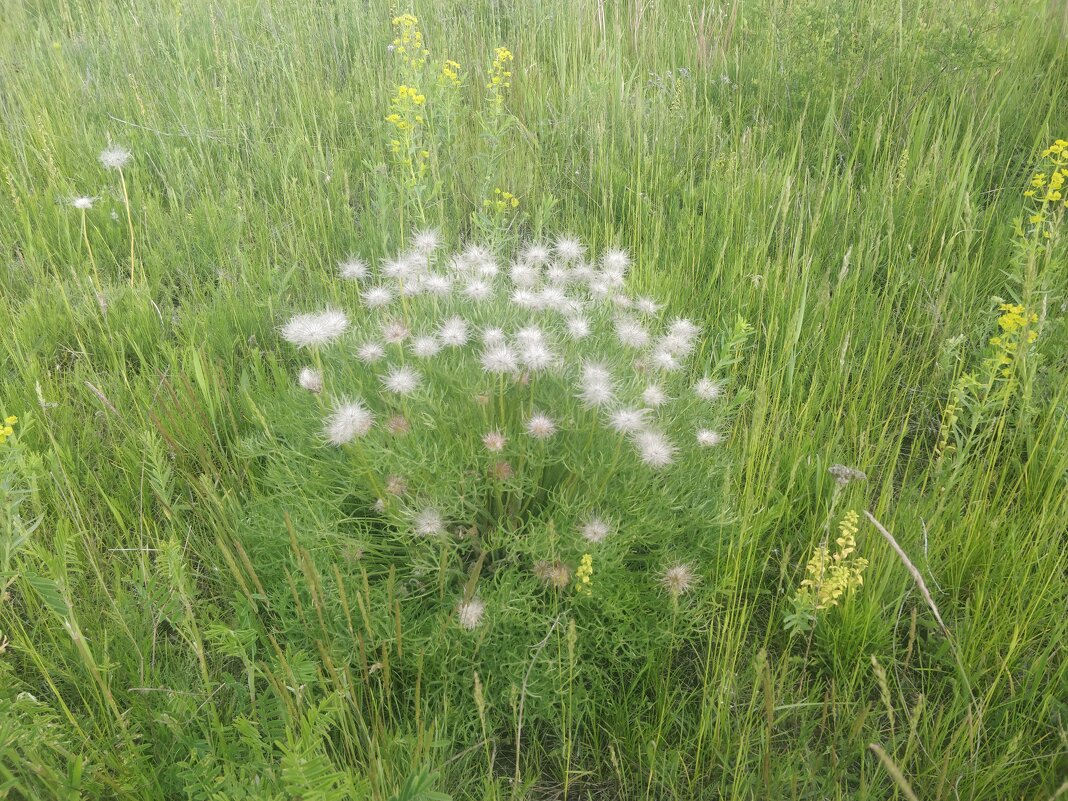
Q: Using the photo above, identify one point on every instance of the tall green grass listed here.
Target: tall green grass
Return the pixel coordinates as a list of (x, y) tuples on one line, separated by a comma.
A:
[(186, 615)]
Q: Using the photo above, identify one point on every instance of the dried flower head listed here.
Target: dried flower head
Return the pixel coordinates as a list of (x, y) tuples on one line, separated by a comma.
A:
[(454, 332), (844, 475), (353, 269), (540, 426), (398, 424), (629, 421), (707, 438), (595, 529), (402, 380), (494, 441), (654, 395), (425, 347), (347, 422), (377, 296), (707, 389), (428, 522), (311, 379), (655, 449), (678, 580), (370, 352), (396, 485), (569, 249), (470, 613)]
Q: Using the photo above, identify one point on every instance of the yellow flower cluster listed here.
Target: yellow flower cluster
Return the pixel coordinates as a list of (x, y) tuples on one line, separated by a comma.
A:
[(406, 114), (830, 576), (584, 574), (408, 41), (1047, 190), (500, 74), (501, 201), (1015, 323), (450, 73), (8, 428)]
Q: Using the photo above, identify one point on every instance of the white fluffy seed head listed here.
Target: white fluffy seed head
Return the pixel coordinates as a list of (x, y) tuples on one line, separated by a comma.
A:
[(114, 157), (707, 389), (377, 296), (678, 580), (370, 352), (654, 396), (684, 328), (477, 290), (647, 306), (394, 332), (536, 356), (454, 332), (425, 347), (428, 522), (437, 285), (470, 613), (83, 203), (707, 438), (523, 275), (494, 441), (665, 360), (311, 330), (536, 254), (353, 269), (492, 336), (629, 421), (616, 260), (568, 248), (347, 422), (402, 380), (595, 529), (311, 380), (631, 334), (578, 327), (425, 241), (540, 426), (655, 449), (499, 359)]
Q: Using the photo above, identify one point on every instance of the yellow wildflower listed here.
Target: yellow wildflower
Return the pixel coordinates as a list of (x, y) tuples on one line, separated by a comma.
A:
[(584, 574)]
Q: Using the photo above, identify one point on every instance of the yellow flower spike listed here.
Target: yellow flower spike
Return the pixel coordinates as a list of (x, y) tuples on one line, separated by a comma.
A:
[(11, 420)]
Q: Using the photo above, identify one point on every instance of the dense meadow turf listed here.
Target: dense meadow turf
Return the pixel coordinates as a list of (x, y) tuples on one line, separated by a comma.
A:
[(854, 587)]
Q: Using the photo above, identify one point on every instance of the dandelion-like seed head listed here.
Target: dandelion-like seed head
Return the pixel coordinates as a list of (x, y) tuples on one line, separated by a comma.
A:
[(311, 330), (377, 296), (654, 395), (477, 290), (428, 522), (402, 380), (454, 332), (115, 157), (426, 241), (488, 269), (629, 421), (707, 389), (578, 327), (353, 269), (664, 360), (470, 613), (425, 347), (502, 471), (83, 203), (536, 254), (348, 421), (398, 425), (494, 441), (555, 574), (684, 329), (707, 438), (678, 580), (655, 449), (437, 285), (540, 426), (631, 334), (568, 248), (499, 359), (616, 260), (536, 356), (311, 380), (523, 275), (647, 306), (370, 352), (396, 485), (595, 529), (394, 332)]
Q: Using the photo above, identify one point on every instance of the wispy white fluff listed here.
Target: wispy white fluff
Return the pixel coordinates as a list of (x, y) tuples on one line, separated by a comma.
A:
[(424, 347), (536, 254), (665, 360), (536, 356), (353, 269), (115, 157), (377, 296), (595, 529), (492, 336), (655, 449), (523, 275), (402, 380), (578, 327), (348, 421), (629, 420), (477, 290), (454, 332), (707, 389), (494, 441), (569, 248), (541, 426), (394, 332), (499, 359), (428, 521), (308, 330), (437, 285), (616, 260), (83, 203), (654, 395), (707, 438), (426, 241), (470, 613), (630, 333), (487, 268), (370, 352), (647, 306), (311, 379)]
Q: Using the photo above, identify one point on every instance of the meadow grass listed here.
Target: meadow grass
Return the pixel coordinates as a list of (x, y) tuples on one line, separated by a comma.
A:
[(194, 608)]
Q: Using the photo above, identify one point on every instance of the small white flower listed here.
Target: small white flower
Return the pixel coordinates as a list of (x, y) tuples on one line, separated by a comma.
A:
[(377, 296), (394, 332), (307, 330), (578, 328), (402, 380), (494, 441), (569, 249), (425, 347), (477, 290), (707, 438), (499, 359), (428, 522), (348, 421), (470, 613), (655, 449), (353, 269), (654, 396), (453, 332), (83, 203), (311, 380), (370, 352), (114, 157), (707, 389), (629, 421), (595, 529), (540, 426)]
